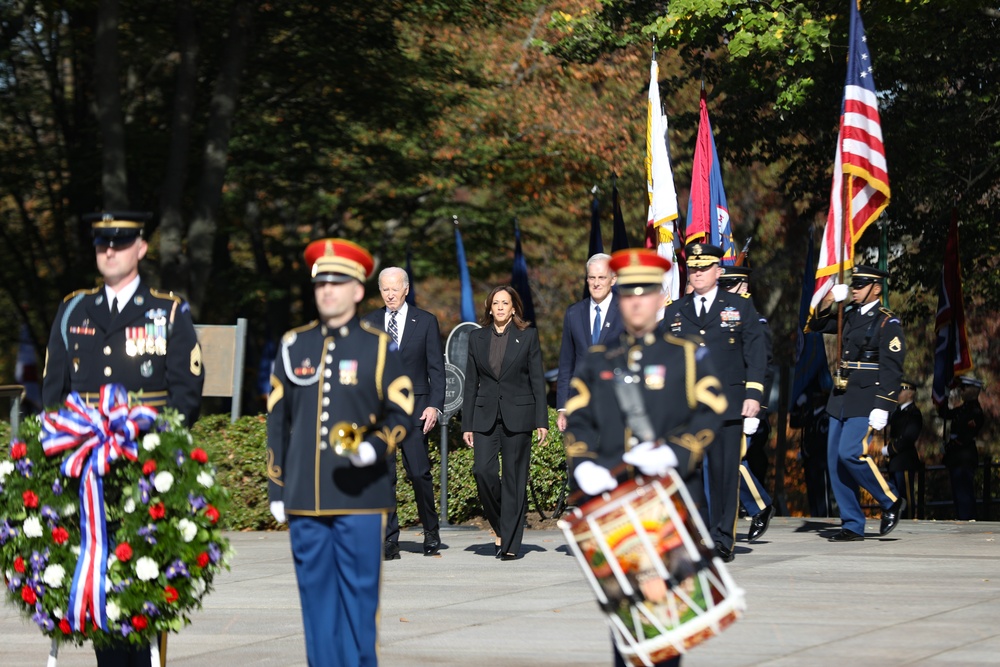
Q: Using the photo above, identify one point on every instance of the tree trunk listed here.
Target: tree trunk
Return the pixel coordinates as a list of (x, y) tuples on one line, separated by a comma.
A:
[(173, 262), (219, 128), (114, 177)]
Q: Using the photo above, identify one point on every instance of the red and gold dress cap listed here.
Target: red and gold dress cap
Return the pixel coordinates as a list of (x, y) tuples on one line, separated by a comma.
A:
[(639, 270), (338, 261)]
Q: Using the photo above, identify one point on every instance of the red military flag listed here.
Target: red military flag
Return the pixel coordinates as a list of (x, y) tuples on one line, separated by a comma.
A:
[(951, 349)]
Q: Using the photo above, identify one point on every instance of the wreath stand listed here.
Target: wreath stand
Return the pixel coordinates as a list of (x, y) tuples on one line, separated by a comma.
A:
[(156, 655)]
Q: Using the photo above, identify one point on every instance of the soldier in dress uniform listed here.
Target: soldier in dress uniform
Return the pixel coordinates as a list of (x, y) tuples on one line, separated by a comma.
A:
[(754, 498), (905, 425), (339, 406), (729, 325), (961, 456), (124, 331), (672, 376), (866, 389), (127, 333)]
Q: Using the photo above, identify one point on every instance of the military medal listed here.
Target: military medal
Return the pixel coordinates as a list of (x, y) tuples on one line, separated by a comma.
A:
[(655, 376), (130, 346), (146, 370), (348, 371)]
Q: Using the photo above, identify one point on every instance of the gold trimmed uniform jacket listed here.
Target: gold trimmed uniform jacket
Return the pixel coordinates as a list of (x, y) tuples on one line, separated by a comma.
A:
[(683, 399), (151, 347), (873, 353), (321, 377)]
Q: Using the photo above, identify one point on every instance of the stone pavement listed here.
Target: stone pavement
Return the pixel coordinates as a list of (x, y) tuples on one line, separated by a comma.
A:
[(928, 594)]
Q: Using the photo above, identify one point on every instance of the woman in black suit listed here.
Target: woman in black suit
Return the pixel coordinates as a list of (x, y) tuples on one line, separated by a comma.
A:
[(504, 402)]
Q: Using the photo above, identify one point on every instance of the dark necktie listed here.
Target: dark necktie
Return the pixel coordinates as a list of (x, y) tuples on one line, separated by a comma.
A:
[(595, 332), (393, 329), (704, 309), (114, 309)]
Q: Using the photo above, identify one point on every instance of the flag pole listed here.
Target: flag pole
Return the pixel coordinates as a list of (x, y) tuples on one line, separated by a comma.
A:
[(844, 217)]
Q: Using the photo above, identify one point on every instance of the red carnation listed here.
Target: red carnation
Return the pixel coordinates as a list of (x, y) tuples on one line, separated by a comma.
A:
[(171, 594), (203, 559), (199, 455), (123, 552), (28, 595), (157, 511), (19, 565), (30, 499), (212, 514), (148, 467), (64, 626), (59, 535), (18, 450), (139, 622)]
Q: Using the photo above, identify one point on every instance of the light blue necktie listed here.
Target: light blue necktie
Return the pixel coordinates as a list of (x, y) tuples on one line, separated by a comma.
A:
[(595, 334)]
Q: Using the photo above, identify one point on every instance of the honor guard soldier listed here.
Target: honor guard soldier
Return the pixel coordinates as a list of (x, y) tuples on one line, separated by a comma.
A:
[(905, 425), (124, 332), (670, 378), (961, 456), (866, 390), (754, 498), (339, 406), (729, 325), (127, 333)]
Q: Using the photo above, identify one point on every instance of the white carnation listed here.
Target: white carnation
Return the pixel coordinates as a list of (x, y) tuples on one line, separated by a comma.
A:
[(54, 575), (146, 569), (129, 506), (113, 611), (163, 481), (188, 529), (205, 479), (69, 510), (6, 468), (57, 612), (112, 559), (32, 527), (150, 442), (75, 549), (197, 587)]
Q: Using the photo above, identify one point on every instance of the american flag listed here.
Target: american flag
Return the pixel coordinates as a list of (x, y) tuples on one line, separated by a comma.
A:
[(859, 172)]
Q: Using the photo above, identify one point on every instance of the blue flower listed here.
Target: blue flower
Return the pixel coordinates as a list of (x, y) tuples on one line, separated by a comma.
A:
[(14, 583), (43, 620), (57, 487), (150, 609), (177, 569), (214, 552), (179, 455), (7, 532), (24, 467), (144, 488), (147, 533), (38, 561), (197, 502), (50, 514), (126, 629)]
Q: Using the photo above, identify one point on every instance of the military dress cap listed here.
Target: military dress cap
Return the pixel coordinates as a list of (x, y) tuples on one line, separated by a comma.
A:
[(969, 381), (116, 228), (734, 274), (639, 270), (702, 254), (867, 274), (338, 261), (907, 383)]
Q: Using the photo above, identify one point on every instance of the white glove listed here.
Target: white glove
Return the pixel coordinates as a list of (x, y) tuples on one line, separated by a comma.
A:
[(365, 456), (593, 479), (650, 459), (750, 425), (885, 450), (278, 511), (839, 292), (878, 419)]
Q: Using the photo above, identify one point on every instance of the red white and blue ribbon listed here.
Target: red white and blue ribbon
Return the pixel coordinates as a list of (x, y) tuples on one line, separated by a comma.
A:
[(96, 437)]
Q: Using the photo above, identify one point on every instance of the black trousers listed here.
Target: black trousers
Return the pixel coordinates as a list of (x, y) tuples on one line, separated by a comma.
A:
[(418, 470), (724, 483), (123, 655), (504, 498)]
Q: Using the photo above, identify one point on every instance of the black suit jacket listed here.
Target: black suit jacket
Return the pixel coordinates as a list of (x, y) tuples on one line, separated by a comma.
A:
[(577, 338), (904, 430), (734, 334), (421, 356), (516, 395)]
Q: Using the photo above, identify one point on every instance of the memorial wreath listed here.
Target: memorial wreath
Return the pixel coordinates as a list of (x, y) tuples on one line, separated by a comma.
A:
[(108, 521)]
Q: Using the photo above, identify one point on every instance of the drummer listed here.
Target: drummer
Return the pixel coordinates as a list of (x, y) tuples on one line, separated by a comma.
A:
[(682, 399)]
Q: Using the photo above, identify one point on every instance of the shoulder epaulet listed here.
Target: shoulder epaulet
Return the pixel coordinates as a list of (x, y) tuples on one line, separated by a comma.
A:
[(80, 291), (886, 312), (372, 329), (165, 295), (289, 337)]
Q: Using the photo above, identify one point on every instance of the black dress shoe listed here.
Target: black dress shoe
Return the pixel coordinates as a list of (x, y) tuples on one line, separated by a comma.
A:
[(847, 536), (725, 554), (391, 551), (432, 542), (508, 556), (890, 517), (759, 524)]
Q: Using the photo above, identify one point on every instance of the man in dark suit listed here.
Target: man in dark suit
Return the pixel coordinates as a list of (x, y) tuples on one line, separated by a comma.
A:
[(594, 320), (866, 388), (127, 333), (905, 425), (418, 340), (729, 325)]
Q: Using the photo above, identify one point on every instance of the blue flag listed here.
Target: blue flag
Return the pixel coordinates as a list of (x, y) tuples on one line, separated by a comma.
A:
[(812, 372), (519, 276), (411, 296), (468, 309)]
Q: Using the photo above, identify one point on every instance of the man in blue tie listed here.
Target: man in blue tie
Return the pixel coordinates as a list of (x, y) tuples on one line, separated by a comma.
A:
[(589, 322)]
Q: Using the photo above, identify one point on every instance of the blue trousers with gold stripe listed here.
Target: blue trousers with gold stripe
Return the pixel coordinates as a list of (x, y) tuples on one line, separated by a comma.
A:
[(851, 468), (753, 496), (338, 566)]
